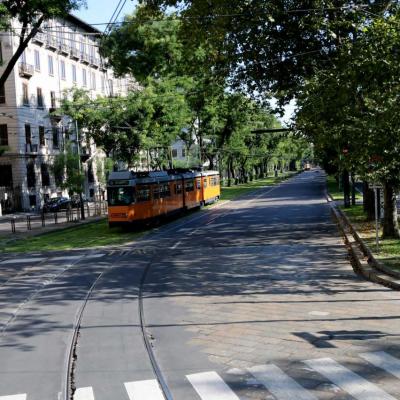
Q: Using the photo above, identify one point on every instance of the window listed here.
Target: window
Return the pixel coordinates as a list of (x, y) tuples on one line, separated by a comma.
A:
[(142, 193), (214, 181), (174, 153), (55, 138), (50, 65), (74, 73), (37, 60), (28, 134), (62, 70), (189, 186), (156, 192), (198, 184), (72, 40), (178, 188), (205, 183), (3, 135), (84, 77), (53, 99), (2, 95), (111, 87), (90, 174), (25, 94), (44, 171), (103, 84), (6, 179), (30, 175), (122, 196), (42, 140), (40, 98), (93, 83), (165, 190)]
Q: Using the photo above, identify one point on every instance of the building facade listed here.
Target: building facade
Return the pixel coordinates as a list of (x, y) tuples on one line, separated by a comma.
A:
[(62, 56)]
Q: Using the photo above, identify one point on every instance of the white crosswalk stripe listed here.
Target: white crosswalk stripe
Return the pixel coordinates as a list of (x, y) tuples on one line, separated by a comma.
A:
[(384, 361), (210, 386), (282, 386), (347, 380), (144, 390), (14, 397), (85, 393)]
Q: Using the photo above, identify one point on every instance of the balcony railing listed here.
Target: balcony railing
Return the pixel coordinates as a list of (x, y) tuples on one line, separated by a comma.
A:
[(26, 70), (31, 148), (51, 42), (73, 53), (94, 62), (39, 38), (63, 48), (85, 58)]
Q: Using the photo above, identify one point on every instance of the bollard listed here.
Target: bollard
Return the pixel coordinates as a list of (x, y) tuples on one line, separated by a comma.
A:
[(13, 225), (55, 217), (28, 222), (43, 220)]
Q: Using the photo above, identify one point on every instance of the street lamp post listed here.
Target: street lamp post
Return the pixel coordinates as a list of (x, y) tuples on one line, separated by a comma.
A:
[(80, 170)]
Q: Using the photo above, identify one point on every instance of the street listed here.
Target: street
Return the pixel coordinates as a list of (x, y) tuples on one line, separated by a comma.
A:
[(250, 299)]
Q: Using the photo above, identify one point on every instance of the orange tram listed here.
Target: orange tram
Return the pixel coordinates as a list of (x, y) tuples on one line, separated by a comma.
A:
[(138, 197)]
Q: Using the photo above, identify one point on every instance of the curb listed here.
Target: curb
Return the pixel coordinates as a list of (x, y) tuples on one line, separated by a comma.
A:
[(363, 261)]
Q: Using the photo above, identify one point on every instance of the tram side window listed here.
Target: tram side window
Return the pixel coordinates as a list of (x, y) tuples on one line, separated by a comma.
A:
[(178, 188), (120, 196), (156, 192), (214, 181), (165, 190), (198, 184), (205, 183), (189, 186), (142, 194)]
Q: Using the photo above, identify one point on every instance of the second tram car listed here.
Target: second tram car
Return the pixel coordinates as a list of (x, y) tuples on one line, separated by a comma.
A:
[(138, 197)]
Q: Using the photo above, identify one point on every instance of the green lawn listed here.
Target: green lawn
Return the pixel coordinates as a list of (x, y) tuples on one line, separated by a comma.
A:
[(83, 236), (389, 249), (99, 234)]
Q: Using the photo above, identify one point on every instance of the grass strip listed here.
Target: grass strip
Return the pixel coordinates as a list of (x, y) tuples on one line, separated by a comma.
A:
[(98, 233), (389, 249)]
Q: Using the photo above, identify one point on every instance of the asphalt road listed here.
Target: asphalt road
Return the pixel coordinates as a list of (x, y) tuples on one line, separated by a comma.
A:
[(253, 299)]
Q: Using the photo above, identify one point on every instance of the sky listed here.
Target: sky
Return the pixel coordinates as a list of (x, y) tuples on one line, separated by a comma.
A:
[(99, 11)]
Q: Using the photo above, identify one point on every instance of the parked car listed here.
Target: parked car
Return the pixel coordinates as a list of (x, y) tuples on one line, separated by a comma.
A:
[(57, 204), (76, 201)]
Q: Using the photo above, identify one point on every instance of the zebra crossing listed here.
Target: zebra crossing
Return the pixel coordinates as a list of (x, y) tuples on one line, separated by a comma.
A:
[(210, 385)]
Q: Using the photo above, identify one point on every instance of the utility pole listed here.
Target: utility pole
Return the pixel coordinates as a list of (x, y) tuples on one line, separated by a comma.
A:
[(80, 170)]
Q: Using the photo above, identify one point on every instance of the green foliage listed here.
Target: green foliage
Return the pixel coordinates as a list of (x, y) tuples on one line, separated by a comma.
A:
[(67, 171)]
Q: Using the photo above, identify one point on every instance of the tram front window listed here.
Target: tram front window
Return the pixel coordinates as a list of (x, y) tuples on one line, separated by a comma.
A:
[(121, 196)]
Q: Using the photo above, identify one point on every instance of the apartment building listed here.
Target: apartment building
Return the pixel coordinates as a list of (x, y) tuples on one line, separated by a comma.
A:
[(63, 55)]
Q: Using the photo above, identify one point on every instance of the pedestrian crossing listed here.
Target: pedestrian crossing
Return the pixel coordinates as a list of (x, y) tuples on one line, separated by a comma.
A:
[(210, 385)]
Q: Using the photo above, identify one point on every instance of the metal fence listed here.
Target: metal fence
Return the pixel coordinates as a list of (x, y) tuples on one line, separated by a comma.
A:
[(27, 222)]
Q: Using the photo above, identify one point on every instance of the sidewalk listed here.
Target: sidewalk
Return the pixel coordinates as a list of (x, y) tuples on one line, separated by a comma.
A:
[(19, 225)]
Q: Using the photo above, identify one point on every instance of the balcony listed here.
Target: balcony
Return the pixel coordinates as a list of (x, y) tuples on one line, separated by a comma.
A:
[(31, 149), (85, 58), (39, 38), (51, 43), (73, 53), (62, 48), (94, 62), (26, 70)]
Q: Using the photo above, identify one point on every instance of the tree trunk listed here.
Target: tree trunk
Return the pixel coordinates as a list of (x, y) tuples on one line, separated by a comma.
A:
[(390, 222), (346, 188), (368, 201)]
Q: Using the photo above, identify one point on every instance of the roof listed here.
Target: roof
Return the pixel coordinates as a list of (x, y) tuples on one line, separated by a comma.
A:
[(82, 24)]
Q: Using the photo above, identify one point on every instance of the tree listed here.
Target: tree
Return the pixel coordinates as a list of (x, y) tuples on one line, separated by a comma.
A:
[(30, 14)]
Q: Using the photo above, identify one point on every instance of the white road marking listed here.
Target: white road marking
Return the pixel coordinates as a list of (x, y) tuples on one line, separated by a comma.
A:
[(384, 361), (282, 386), (14, 397), (319, 313), (210, 386), (22, 260), (144, 390), (347, 380), (176, 245), (61, 258), (85, 393)]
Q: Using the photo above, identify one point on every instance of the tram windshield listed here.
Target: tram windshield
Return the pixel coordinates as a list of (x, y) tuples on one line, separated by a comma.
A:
[(121, 196)]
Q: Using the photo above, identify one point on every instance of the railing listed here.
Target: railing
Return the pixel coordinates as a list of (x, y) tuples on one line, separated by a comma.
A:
[(63, 48), (73, 53), (26, 70), (95, 62), (85, 58), (31, 148), (51, 42), (40, 38)]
